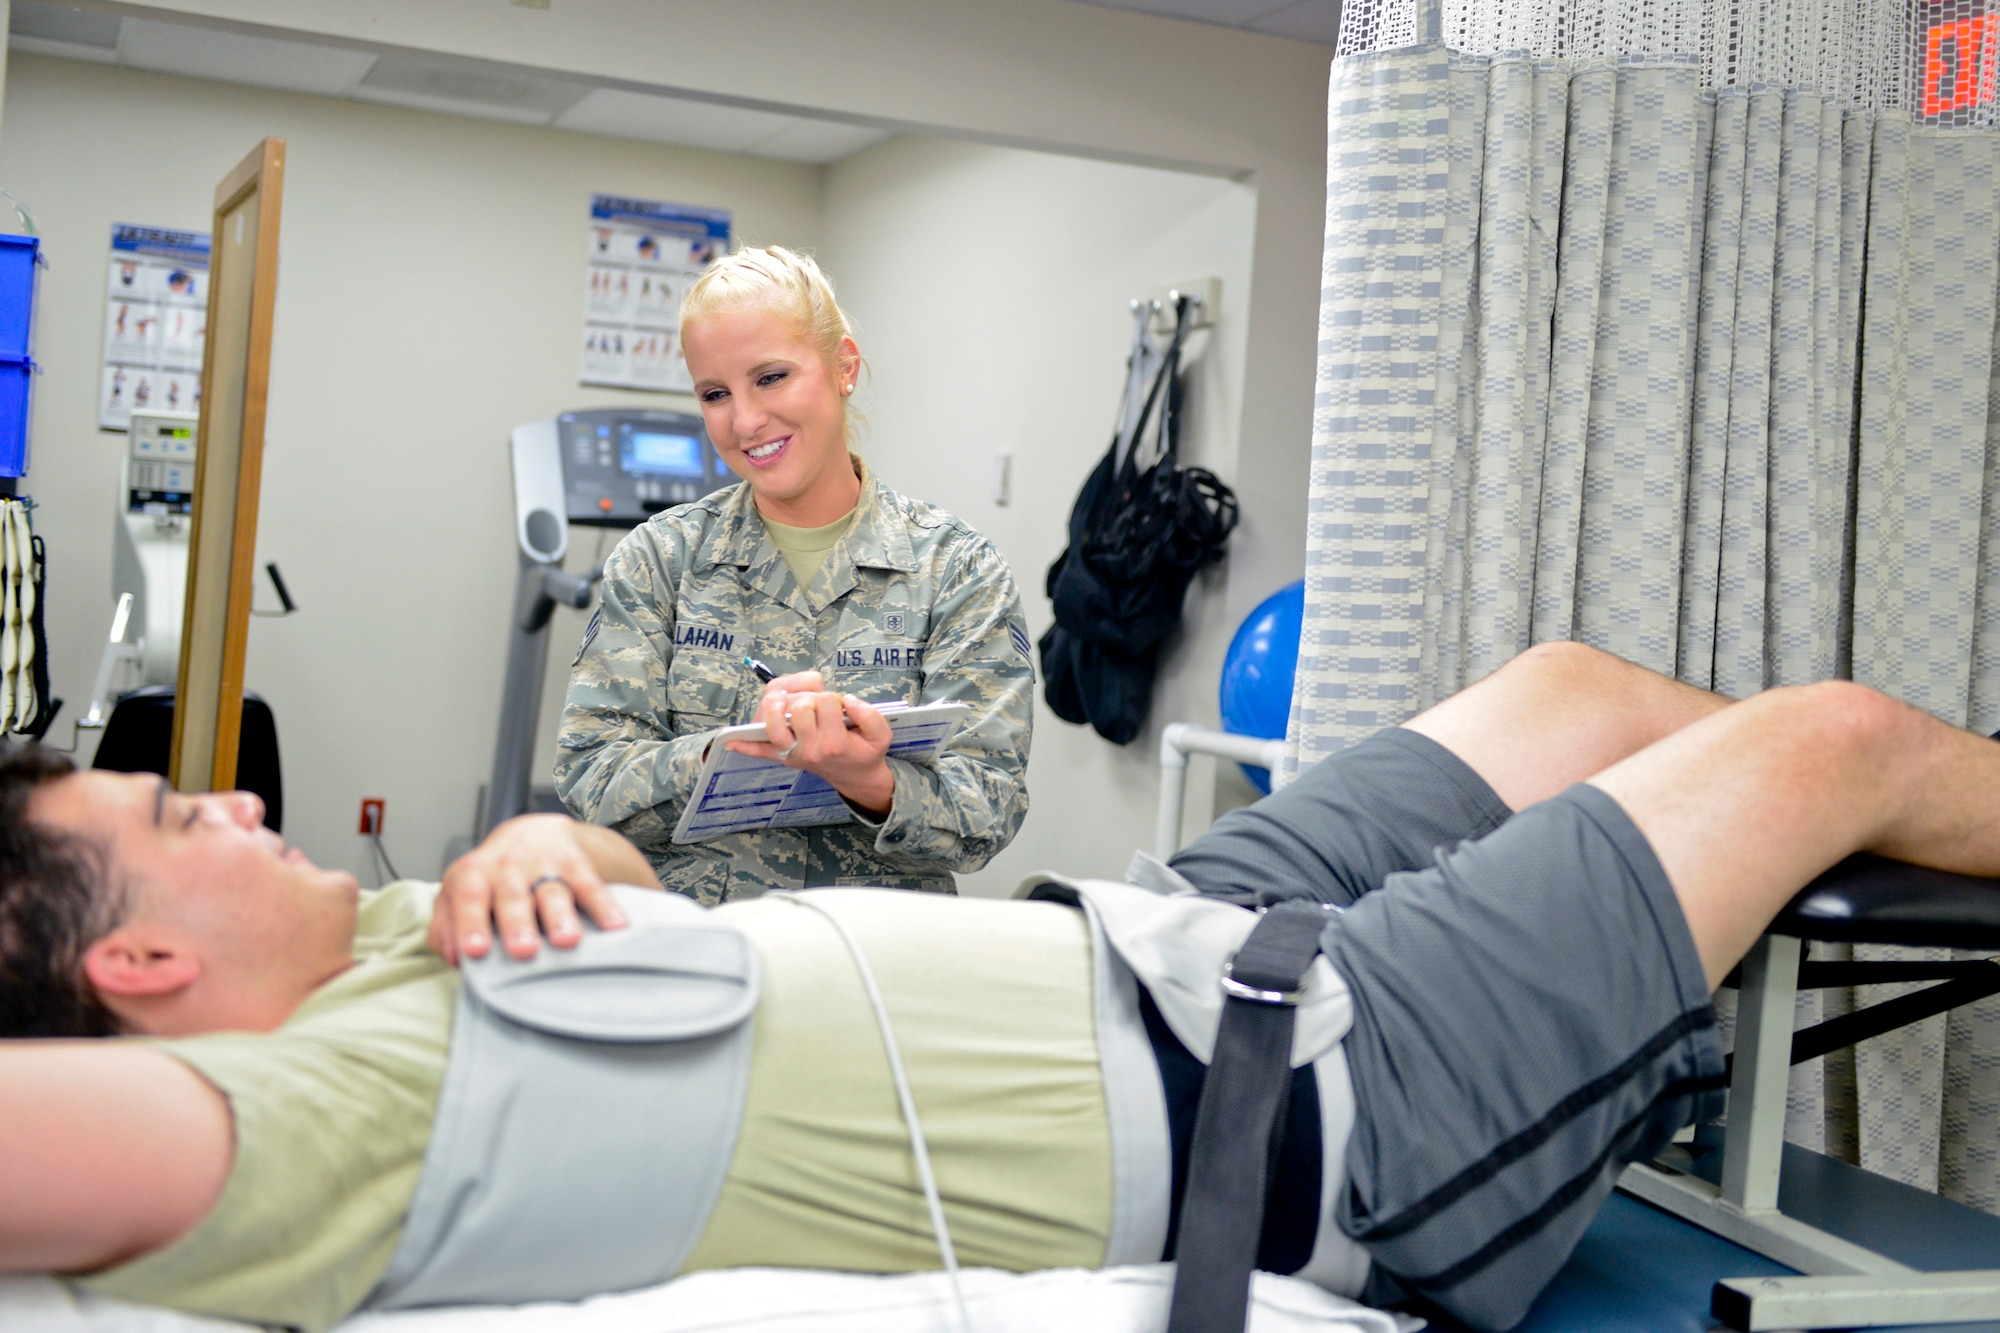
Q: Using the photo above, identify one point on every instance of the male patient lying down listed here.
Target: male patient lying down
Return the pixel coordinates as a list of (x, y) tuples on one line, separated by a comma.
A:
[(1543, 878)]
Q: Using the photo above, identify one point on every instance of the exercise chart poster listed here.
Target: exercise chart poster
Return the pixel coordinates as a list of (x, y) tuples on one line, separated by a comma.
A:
[(641, 256), (155, 321)]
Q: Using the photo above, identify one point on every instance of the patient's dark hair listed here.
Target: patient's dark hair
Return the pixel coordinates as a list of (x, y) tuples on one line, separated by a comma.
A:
[(56, 899)]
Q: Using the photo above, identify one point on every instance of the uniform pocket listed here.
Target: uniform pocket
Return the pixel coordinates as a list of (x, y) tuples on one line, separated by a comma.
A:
[(703, 688), (707, 882)]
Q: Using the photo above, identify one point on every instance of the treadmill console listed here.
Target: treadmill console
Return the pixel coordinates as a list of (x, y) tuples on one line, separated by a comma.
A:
[(159, 472), (623, 465)]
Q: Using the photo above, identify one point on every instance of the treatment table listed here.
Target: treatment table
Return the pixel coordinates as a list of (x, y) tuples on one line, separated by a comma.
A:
[(1850, 1249)]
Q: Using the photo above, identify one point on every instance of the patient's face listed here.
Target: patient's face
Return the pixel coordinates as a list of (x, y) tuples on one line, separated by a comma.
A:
[(267, 921)]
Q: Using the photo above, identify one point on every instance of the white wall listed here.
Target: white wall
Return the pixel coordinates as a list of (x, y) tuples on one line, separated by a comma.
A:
[(386, 684), (990, 288), (1041, 74), (429, 293)]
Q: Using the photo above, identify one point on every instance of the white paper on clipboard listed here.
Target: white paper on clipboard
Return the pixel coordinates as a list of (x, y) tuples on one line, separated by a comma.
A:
[(738, 794)]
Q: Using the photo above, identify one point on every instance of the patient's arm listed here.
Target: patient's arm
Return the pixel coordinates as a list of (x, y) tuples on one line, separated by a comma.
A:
[(544, 866), (109, 1150)]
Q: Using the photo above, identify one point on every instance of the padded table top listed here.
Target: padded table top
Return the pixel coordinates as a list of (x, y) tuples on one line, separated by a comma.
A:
[(1873, 900)]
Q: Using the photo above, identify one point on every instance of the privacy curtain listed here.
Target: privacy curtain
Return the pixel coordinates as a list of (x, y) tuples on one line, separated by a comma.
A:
[(1706, 378)]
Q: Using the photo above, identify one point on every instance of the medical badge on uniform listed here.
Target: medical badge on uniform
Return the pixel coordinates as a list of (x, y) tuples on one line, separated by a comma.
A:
[(892, 622), (589, 633)]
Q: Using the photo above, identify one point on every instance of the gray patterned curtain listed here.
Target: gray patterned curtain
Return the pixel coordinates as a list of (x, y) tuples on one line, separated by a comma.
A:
[(1596, 364)]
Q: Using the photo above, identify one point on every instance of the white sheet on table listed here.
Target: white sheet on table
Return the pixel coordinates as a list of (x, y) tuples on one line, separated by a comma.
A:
[(1131, 1299)]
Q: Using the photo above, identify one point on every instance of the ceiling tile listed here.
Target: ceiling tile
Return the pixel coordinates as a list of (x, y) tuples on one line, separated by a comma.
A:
[(1314, 20), (675, 120), (60, 23), (442, 84), (43, 46), (817, 141), (1229, 13), (230, 57), (450, 106), (468, 88)]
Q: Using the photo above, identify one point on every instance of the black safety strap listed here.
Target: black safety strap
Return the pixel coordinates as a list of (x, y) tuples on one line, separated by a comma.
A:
[(1236, 1125)]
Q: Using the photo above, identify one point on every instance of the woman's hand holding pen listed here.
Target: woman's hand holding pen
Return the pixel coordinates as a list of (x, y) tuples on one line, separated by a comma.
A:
[(841, 738)]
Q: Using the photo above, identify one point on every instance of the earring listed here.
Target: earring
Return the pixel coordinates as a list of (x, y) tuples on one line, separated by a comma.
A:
[(846, 389)]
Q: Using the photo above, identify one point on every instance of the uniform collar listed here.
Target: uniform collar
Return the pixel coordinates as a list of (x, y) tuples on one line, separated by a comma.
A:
[(879, 539)]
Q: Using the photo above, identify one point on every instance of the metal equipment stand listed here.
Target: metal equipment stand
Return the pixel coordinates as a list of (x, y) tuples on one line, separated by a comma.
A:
[(538, 590), (1847, 1285), (599, 467)]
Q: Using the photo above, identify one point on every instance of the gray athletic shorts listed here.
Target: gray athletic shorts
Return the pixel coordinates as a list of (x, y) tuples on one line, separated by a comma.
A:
[(1530, 1011)]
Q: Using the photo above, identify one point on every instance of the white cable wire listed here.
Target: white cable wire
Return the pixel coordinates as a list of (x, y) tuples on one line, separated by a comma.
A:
[(918, 1147)]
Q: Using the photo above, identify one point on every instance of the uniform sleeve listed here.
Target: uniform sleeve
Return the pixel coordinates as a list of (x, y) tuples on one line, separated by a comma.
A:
[(618, 762), (962, 810)]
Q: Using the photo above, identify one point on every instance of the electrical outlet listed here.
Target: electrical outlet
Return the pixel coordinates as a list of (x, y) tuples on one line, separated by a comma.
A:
[(371, 814)]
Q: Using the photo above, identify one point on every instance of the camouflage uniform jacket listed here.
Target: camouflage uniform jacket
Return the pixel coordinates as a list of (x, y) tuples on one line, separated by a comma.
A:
[(911, 604)]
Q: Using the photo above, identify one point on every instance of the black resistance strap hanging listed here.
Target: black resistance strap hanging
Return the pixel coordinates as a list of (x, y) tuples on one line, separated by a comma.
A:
[(1136, 540), (1239, 1121)]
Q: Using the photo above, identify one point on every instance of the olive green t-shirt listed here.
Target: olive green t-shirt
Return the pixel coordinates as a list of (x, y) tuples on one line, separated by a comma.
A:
[(332, 1114), (991, 1005), (805, 549)]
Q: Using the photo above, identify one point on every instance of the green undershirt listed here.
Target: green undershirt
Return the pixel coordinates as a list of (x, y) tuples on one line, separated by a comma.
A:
[(991, 1006), (805, 549)]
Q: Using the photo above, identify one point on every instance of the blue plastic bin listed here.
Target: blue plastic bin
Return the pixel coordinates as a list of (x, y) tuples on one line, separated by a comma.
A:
[(16, 372), (17, 292)]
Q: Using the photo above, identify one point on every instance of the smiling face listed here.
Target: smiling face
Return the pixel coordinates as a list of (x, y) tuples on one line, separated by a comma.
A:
[(775, 410), (225, 928)]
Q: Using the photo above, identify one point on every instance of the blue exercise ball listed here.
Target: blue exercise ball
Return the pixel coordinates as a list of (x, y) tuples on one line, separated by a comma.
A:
[(1257, 672)]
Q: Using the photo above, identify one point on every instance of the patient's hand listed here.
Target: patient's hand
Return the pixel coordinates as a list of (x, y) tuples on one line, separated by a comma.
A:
[(528, 878)]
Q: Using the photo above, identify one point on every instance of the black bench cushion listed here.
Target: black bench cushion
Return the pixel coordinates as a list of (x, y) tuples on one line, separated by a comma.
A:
[(1873, 900)]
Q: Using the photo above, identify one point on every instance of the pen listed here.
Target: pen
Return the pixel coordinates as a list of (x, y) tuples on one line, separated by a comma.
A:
[(764, 674)]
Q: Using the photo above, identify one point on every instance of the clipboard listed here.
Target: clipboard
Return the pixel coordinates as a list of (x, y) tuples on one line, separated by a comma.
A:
[(736, 793)]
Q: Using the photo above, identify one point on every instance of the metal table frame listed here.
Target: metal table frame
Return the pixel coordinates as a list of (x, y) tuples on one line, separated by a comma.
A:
[(1845, 1285)]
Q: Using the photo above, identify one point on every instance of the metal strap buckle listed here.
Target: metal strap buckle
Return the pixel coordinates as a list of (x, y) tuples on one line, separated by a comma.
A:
[(1231, 986)]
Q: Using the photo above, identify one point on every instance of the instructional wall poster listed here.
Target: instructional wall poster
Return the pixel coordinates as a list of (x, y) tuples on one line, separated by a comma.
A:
[(155, 317), (642, 256)]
